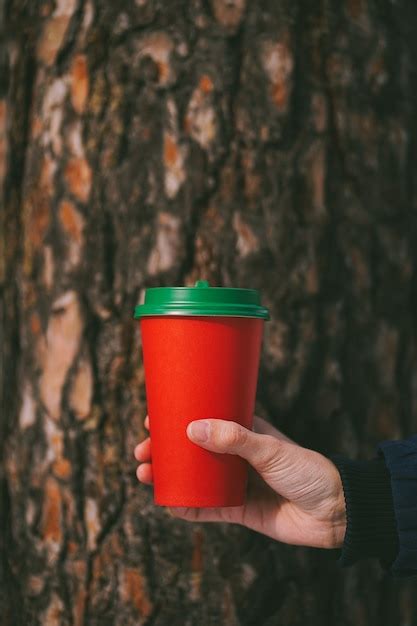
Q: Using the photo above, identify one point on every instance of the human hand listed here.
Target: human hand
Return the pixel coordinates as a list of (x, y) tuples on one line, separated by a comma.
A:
[(294, 494)]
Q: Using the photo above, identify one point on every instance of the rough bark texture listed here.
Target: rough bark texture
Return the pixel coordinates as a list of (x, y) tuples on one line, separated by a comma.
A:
[(269, 144)]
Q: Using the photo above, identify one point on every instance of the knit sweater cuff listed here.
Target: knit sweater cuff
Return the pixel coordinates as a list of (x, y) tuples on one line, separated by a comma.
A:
[(371, 527)]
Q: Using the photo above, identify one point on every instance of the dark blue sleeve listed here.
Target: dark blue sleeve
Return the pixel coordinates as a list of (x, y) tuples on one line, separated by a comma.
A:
[(371, 530), (401, 461)]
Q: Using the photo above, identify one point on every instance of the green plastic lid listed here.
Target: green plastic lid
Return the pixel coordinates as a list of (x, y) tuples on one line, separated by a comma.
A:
[(202, 300)]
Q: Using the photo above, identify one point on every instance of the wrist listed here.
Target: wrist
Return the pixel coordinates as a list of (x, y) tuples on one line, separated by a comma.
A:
[(338, 514)]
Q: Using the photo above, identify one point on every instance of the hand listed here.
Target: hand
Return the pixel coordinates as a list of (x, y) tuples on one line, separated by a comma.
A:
[(294, 495)]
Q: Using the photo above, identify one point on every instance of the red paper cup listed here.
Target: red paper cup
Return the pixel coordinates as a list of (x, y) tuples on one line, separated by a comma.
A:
[(201, 349), (198, 367)]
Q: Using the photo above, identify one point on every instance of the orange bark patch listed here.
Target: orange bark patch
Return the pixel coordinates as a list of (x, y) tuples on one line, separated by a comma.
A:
[(92, 522), (56, 440), (206, 84), (355, 8), (45, 10), (78, 570), (53, 615), (117, 549), (246, 241), (170, 151), (79, 83), (39, 220), (163, 71), (71, 219), (82, 390), (174, 154), (78, 176), (36, 127), (72, 547), (202, 121), (79, 607), (187, 125), (62, 468), (280, 95), (252, 185), (166, 250), (51, 519), (48, 267), (146, 134), (278, 63), (134, 590), (318, 179), (376, 67), (47, 175), (36, 585), (312, 280), (229, 13), (3, 109), (215, 218), (35, 324), (38, 206), (52, 37)]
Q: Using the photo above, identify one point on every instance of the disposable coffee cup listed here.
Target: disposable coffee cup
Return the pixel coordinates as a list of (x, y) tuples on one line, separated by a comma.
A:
[(201, 348)]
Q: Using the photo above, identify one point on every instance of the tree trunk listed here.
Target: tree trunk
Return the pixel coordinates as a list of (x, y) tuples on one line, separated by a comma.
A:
[(267, 144)]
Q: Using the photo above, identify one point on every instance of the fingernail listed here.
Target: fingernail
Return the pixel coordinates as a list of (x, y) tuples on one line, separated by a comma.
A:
[(199, 430)]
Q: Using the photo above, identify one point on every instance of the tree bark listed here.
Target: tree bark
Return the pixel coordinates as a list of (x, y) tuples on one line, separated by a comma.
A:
[(267, 144)]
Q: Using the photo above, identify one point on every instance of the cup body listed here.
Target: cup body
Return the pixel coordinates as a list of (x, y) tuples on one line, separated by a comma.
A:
[(198, 367)]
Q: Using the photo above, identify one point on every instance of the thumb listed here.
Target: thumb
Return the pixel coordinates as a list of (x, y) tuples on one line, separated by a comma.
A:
[(267, 454)]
